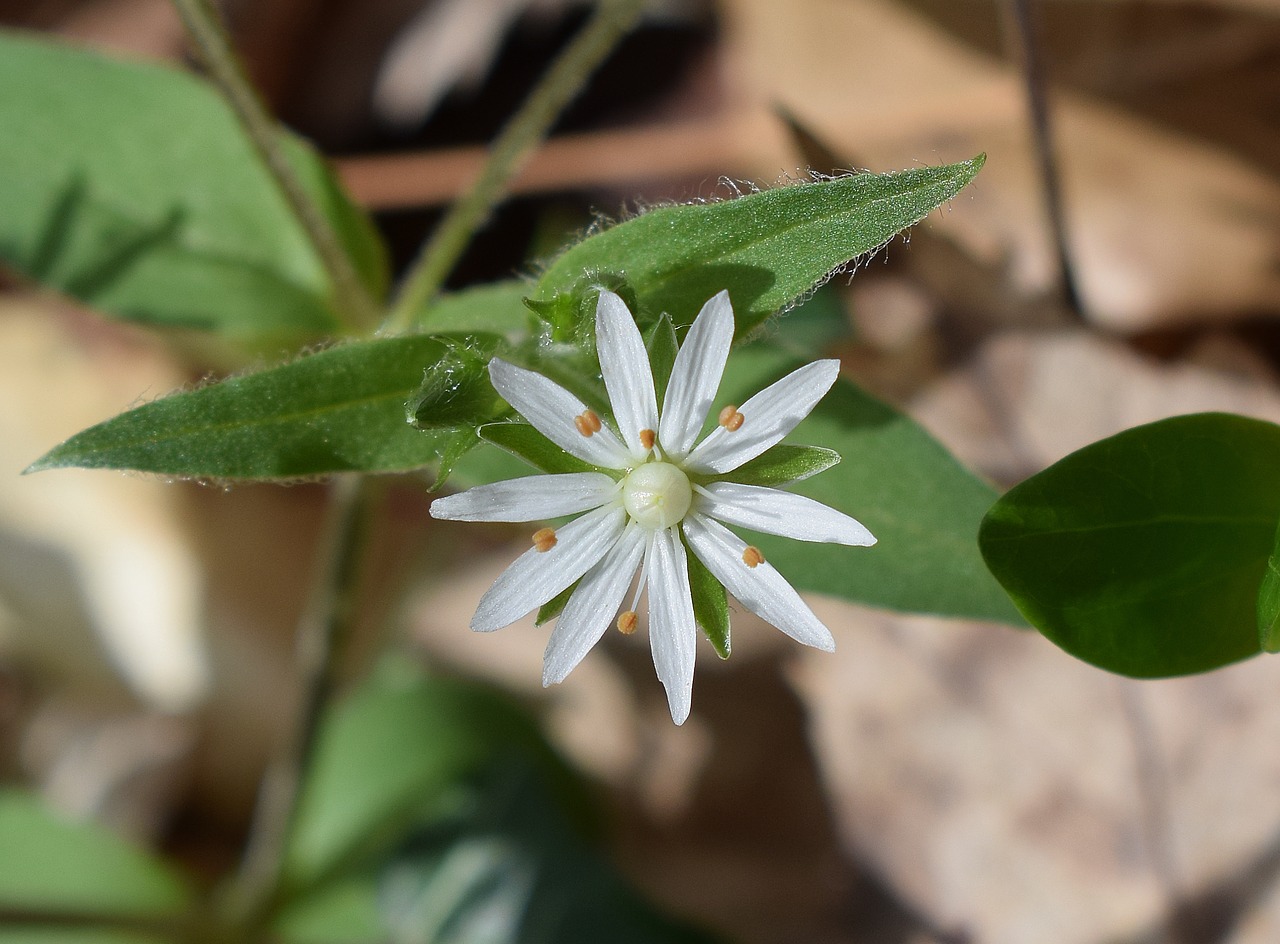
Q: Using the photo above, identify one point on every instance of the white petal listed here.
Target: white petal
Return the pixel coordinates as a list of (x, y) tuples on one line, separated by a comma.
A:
[(761, 589), (767, 417), (673, 634), (695, 376), (533, 498), (537, 576), (591, 609), (552, 409), (774, 511), (624, 364)]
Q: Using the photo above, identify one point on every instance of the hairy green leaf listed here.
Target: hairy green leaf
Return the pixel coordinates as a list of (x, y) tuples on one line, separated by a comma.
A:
[(131, 186), (1143, 553), (768, 249), (342, 409)]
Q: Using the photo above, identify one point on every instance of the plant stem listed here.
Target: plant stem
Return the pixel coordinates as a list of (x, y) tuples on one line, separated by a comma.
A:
[(525, 130), (322, 632), (214, 47)]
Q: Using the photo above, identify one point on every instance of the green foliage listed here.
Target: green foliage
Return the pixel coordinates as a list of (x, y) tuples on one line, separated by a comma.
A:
[(339, 410), (526, 443), (56, 866), (455, 390), (710, 604), (1269, 602), (923, 506), (662, 346), (131, 187), (783, 464), (769, 248), (495, 308), (1143, 553)]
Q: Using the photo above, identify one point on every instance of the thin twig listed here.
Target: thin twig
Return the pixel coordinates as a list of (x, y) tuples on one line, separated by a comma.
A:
[(523, 132), (322, 632), (1022, 29), (211, 41)]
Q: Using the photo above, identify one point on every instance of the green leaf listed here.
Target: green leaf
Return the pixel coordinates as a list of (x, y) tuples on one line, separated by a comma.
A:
[(710, 604), (920, 503), (1269, 602), (662, 347), (344, 911), (555, 606), (782, 465), (525, 442), (62, 934), (53, 865), (131, 186), (768, 249), (1143, 553), (496, 308), (391, 753), (342, 409)]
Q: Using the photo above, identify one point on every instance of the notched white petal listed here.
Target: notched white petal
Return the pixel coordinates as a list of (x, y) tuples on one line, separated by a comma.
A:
[(532, 498), (537, 576), (624, 365), (774, 511), (553, 411), (766, 418), (673, 634), (761, 589), (695, 376), (591, 609)]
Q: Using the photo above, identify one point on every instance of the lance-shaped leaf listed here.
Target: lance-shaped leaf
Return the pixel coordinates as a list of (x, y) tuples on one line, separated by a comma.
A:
[(131, 186), (1143, 553), (342, 409), (768, 249)]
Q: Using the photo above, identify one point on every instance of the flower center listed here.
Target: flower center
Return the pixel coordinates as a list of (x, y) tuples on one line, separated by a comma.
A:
[(657, 494)]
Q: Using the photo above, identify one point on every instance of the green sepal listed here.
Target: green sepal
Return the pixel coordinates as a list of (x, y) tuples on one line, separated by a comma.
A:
[(525, 442), (662, 347), (455, 390), (781, 465), (553, 607), (1269, 603), (710, 603)]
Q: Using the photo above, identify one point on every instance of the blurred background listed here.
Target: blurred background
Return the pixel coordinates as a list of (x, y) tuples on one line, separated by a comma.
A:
[(932, 781)]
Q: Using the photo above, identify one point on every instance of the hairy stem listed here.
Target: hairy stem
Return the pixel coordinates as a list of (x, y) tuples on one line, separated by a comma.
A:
[(322, 631), (526, 129), (214, 47)]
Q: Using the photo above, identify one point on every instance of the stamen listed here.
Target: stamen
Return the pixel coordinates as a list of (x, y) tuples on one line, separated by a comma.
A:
[(587, 423), (731, 419), (647, 438), (751, 556), (627, 622), (544, 539)]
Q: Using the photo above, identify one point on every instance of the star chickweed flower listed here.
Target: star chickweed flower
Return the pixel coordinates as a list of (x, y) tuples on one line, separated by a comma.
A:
[(663, 494)]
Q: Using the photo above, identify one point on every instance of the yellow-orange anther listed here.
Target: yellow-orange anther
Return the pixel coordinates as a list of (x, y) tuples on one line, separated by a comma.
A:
[(627, 622), (647, 438), (588, 423), (751, 556), (544, 539), (731, 419)]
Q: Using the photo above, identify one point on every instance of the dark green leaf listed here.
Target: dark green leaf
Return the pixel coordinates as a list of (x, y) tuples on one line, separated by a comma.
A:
[(553, 607), (1269, 602), (339, 410), (783, 464), (62, 934), (522, 440), (662, 347), (710, 605), (51, 864), (768, 249), (131, 186), (922, 505), (390, 754), (1143, 553)]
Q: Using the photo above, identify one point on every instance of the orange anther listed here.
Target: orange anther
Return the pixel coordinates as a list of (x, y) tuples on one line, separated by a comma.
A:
[(751, 556), (731, 419), (647, 438), (544, 539), (627, 622), (588, 423)]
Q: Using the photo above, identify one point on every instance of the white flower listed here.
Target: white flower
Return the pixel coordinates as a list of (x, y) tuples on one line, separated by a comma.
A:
[(661, 490)]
